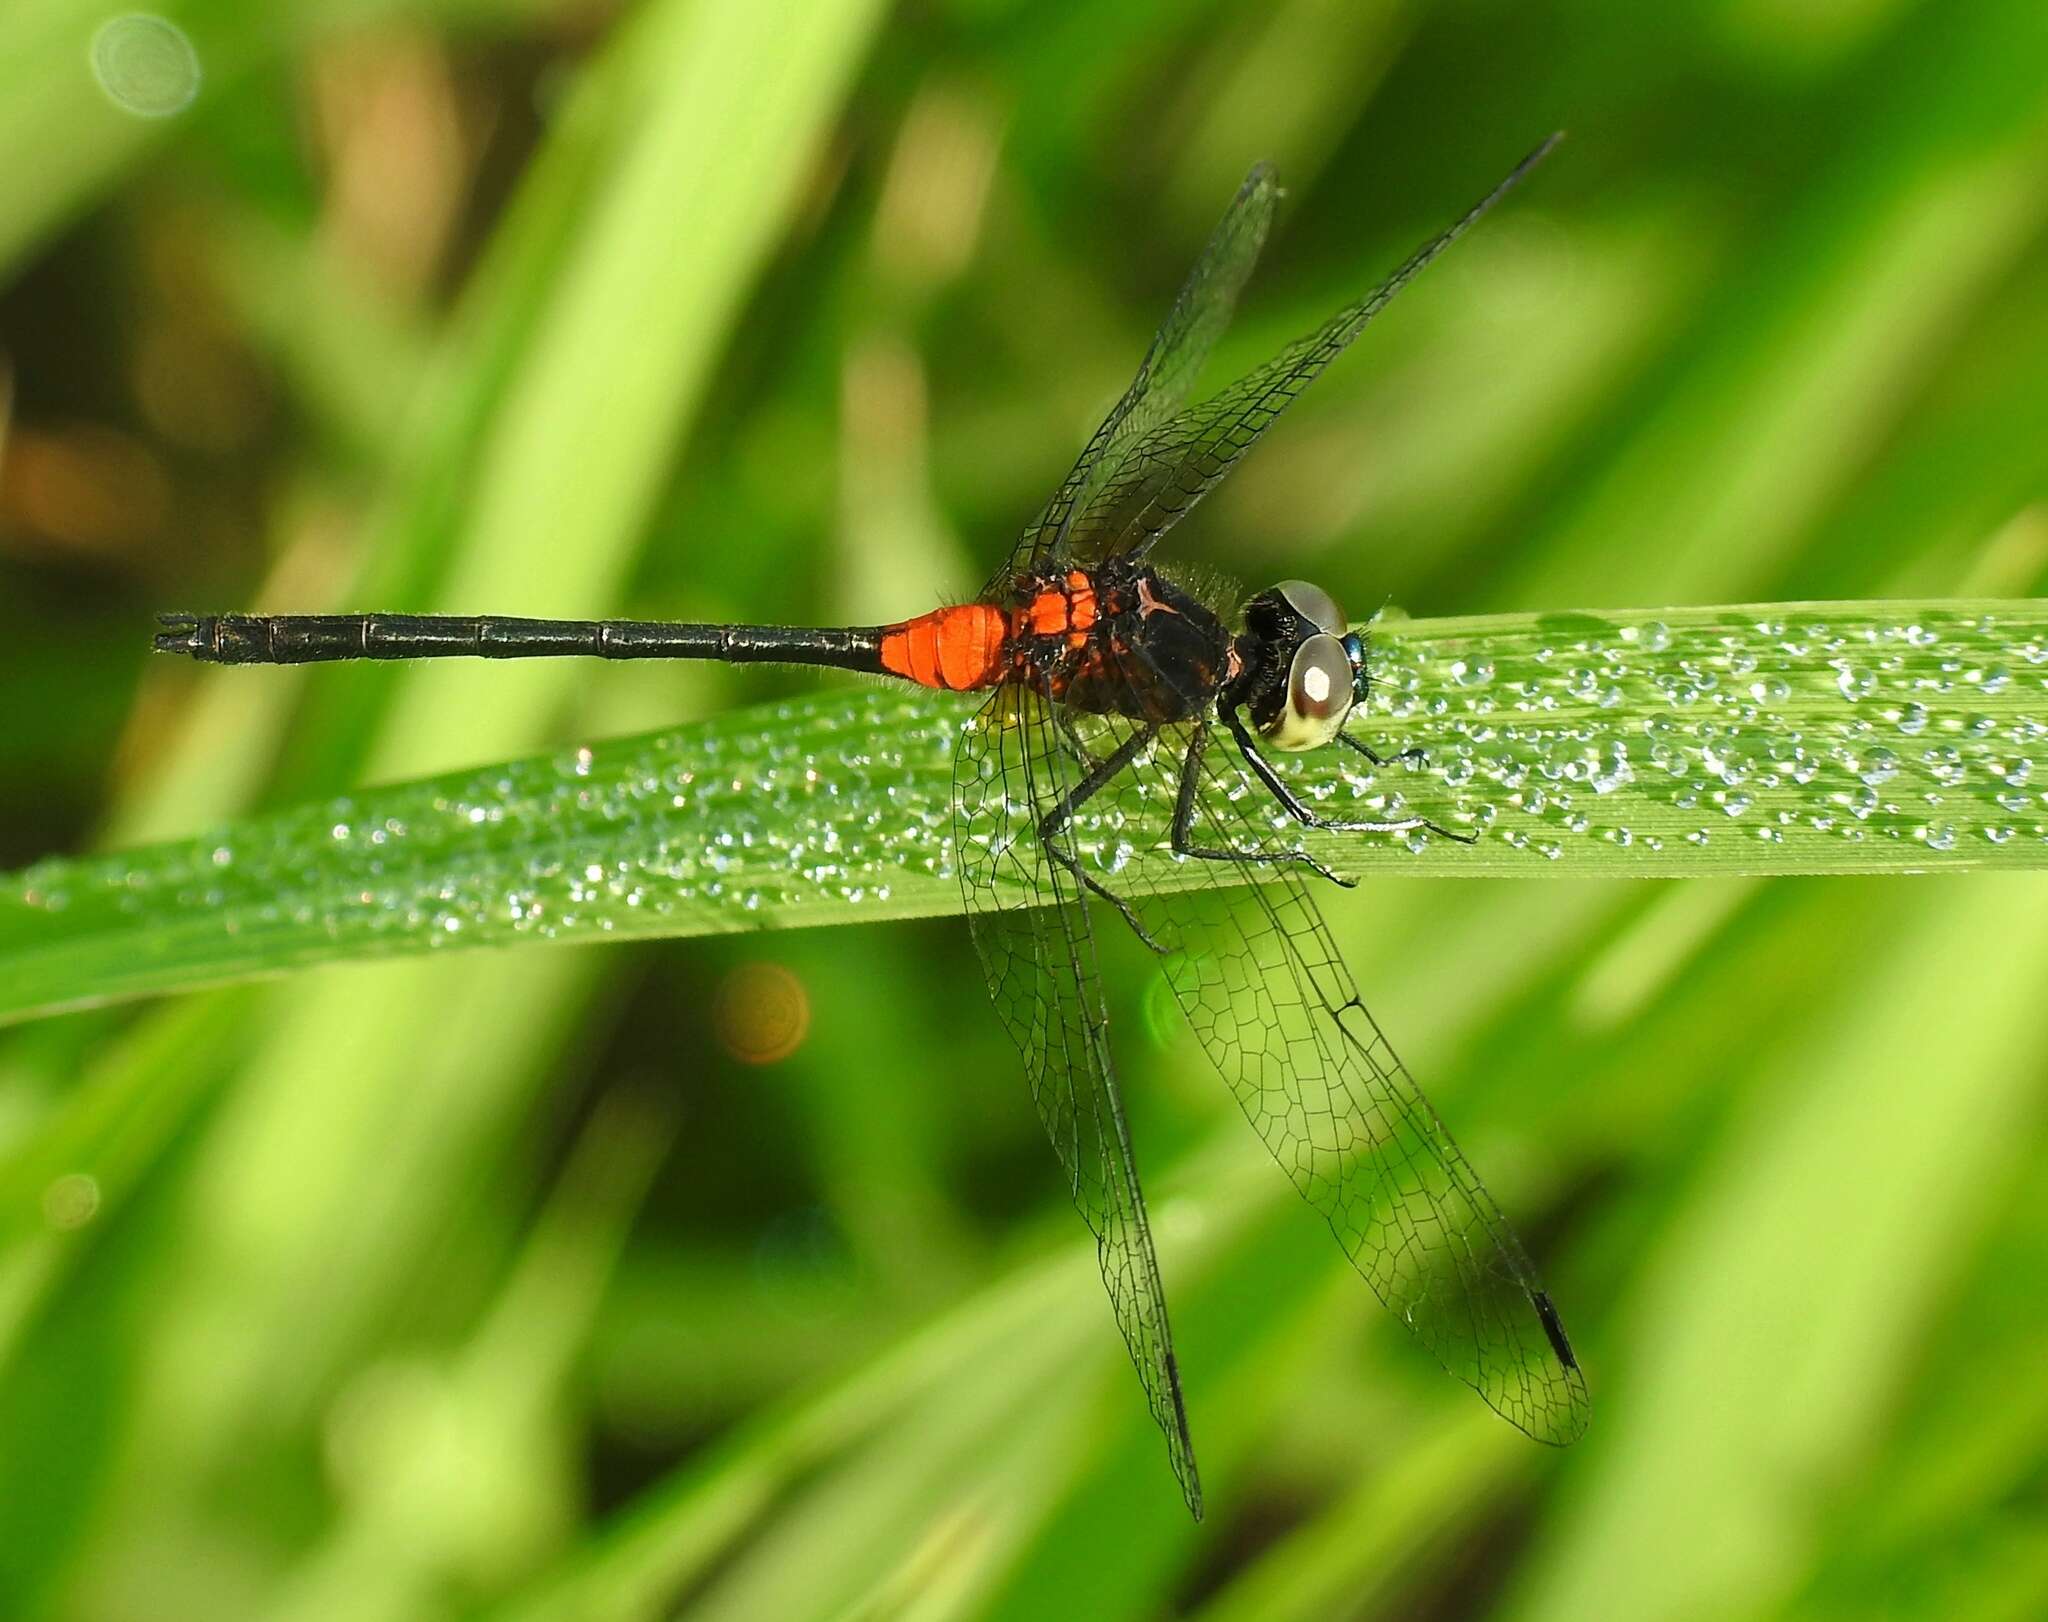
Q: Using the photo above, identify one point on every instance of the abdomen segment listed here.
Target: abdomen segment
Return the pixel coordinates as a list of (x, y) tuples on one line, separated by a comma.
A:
[(953, 649)]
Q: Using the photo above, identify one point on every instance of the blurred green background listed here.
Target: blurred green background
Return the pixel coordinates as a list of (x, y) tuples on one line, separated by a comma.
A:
[(733, 1278)]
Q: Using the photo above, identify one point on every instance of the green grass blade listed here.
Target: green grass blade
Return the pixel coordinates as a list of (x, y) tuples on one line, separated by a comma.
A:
[(1803, 738)]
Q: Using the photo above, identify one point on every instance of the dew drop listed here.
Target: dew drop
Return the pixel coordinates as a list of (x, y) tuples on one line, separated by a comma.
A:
[(1855, 683)]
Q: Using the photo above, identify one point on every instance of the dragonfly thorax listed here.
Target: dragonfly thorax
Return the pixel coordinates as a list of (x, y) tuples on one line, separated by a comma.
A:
[(1118, 639)]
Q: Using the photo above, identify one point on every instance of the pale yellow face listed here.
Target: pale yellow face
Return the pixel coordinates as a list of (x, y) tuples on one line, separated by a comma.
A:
[(1320, 688), (1319, 696)]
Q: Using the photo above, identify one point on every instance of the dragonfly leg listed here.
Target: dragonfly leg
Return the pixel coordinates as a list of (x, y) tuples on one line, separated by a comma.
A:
[(1417, 752), (1056, 820), (1184, 820), (1263, 769)]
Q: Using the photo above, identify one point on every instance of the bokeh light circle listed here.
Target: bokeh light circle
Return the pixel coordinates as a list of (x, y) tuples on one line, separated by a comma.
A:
[(71, 1201), (761, 1013), (145, 64)]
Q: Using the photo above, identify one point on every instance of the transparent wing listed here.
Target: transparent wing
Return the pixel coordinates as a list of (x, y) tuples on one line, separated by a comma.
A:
[(1166, 375), (1038, 951), (1262, 985), (1160, 474)]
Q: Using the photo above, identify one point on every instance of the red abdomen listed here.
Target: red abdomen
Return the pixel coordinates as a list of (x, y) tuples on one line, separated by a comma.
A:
[(980, 644), (953, 649)]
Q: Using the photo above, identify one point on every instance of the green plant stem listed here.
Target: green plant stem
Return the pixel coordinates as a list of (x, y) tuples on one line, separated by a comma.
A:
[(1778, 739)]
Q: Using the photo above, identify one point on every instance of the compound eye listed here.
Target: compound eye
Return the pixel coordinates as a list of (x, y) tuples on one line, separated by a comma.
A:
[(1313, 604), (1319, 695)]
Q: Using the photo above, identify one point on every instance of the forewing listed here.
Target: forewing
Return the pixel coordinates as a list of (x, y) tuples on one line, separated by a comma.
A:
[(1167, 374), (1036, 946), (1147, 486), (1262, 985)]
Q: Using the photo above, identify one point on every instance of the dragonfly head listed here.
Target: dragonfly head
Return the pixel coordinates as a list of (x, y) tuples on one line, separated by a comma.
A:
[(1304, 669)]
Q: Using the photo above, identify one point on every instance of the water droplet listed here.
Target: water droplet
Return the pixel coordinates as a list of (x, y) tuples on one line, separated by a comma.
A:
[(1877, 765), (1855, 683)]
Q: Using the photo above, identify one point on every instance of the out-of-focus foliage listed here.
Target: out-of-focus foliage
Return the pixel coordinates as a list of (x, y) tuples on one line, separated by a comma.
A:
[(731, 1278)]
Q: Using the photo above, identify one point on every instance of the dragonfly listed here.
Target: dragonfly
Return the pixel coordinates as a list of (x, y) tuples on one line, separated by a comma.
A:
[(1107, 676)]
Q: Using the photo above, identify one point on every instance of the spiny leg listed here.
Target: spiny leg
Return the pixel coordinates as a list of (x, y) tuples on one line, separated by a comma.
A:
[(1413, 752), (1056, 820), (1184, 817), (1306, 815)]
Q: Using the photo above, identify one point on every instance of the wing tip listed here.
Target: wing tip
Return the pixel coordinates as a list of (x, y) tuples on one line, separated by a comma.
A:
[(1568, 1422), (1181, 1441), (1553, 1329)]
